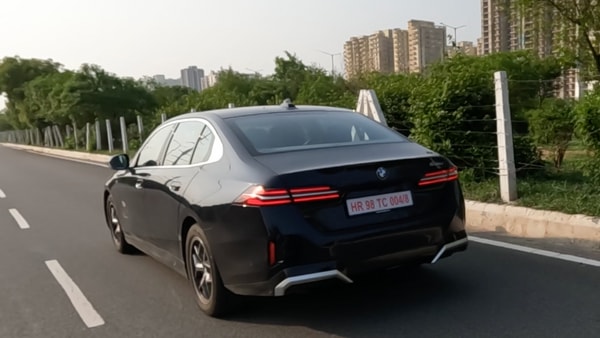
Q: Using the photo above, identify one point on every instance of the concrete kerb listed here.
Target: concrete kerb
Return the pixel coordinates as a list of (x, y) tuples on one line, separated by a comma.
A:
[(531, 223), (481, 217), (98, 158)]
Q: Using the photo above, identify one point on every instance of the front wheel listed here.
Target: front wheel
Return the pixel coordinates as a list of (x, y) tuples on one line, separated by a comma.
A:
[(211, 295)]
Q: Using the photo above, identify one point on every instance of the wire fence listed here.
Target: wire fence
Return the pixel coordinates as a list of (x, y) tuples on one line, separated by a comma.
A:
[(93, 136)]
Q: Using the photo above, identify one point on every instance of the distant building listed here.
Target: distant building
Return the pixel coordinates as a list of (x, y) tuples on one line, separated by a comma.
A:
[(385, 51), (463, 47), (191, 77), (427, 44), (209, 80), (508, 26), (163, 81)]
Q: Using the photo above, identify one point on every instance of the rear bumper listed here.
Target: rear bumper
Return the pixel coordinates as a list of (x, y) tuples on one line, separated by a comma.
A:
[(343, 270)]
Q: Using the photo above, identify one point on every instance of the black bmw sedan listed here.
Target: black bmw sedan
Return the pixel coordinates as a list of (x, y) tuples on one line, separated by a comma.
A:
[(259, 200)]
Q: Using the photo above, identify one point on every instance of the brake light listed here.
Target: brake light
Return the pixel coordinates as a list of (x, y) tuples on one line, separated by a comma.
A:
[(439, 176), (259, 196)]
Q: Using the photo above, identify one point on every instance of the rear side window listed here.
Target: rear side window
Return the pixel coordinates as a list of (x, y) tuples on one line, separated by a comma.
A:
[(269, 133)]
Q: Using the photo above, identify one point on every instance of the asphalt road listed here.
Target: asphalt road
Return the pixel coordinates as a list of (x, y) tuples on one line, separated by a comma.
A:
[(486, 291)]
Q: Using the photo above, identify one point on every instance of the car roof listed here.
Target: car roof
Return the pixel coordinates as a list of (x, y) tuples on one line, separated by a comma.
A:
[(257, 110)]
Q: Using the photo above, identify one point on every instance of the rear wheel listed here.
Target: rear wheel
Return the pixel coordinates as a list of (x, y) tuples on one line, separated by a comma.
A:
[(116, 230), (211, 295)]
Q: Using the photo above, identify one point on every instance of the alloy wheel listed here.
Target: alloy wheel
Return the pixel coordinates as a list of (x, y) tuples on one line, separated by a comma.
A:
[(201, 270)]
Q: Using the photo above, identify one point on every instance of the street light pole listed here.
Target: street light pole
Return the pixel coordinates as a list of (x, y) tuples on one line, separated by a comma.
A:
[(332, 62), (455, 29)]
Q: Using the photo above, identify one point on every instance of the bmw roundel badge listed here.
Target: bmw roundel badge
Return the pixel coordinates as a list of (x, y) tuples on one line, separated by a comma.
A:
[(381, 173)]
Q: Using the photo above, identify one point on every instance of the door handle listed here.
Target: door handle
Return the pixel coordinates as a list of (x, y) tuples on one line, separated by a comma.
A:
[(138, 184), (174, 187)]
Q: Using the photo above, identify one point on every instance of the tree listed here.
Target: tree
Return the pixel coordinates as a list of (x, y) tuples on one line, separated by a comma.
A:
[(452, 110), (15, 72), (584, 15), (552, 126)]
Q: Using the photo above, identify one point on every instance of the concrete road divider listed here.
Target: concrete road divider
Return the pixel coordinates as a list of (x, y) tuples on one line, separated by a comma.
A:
[(481, 217)]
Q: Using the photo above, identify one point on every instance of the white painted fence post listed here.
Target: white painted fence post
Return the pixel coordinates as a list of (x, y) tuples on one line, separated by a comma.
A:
[(124, 134), (140, 125), (87, 137), (163, 117), (368, 105), (75, 134), (109, 136), (506, 156), (98, 136)]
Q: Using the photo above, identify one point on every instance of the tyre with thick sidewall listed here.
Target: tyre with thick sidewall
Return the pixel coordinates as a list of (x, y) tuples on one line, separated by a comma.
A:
[(116, 231), (210, 294)]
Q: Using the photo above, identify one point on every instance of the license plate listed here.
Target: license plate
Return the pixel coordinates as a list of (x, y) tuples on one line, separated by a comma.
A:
[(378, 203)]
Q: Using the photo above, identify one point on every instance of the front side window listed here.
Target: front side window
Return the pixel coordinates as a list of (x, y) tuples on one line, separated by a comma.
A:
[(191, 143), (149, 155)]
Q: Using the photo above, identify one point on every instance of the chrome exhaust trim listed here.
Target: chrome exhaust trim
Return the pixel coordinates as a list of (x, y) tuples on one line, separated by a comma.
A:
[(287, 283), (448, 246)]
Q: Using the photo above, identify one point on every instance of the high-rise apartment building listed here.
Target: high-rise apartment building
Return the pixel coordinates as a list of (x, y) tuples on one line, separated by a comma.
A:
[(400, 41), (508, 26), (191, 77), (427, 44), (495, 27), (385, 51), (388, 51)]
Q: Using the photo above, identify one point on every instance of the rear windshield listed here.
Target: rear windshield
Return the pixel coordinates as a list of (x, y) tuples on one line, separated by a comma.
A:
[(288, 131)]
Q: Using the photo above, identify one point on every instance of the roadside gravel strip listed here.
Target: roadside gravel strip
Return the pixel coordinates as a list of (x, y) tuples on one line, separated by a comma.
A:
[(481, 217)]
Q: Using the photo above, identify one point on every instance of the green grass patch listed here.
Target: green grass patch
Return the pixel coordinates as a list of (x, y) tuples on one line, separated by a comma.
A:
[(565, 190)]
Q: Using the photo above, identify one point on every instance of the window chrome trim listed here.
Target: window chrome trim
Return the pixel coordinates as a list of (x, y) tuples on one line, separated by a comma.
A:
[(216, 150)]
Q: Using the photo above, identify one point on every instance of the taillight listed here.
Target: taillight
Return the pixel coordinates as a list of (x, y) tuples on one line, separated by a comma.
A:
[(259, 196), (439, 176)]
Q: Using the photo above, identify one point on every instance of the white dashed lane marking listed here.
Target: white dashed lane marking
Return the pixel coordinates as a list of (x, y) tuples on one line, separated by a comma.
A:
[(19, 218), (84, 308)]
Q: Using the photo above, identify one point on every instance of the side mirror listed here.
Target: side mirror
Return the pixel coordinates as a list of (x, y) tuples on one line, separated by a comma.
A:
[(119, 162)]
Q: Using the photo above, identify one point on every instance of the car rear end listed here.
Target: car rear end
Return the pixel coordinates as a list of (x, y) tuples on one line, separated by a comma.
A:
[(341, 202)]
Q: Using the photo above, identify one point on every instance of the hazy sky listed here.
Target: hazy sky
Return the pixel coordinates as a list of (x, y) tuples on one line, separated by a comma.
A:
[(147, 37)]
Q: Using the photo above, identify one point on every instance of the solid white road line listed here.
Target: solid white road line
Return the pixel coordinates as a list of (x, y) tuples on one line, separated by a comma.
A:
[(19, 218), (540, 252), (84, 308), (71, 159), (2, 194)]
